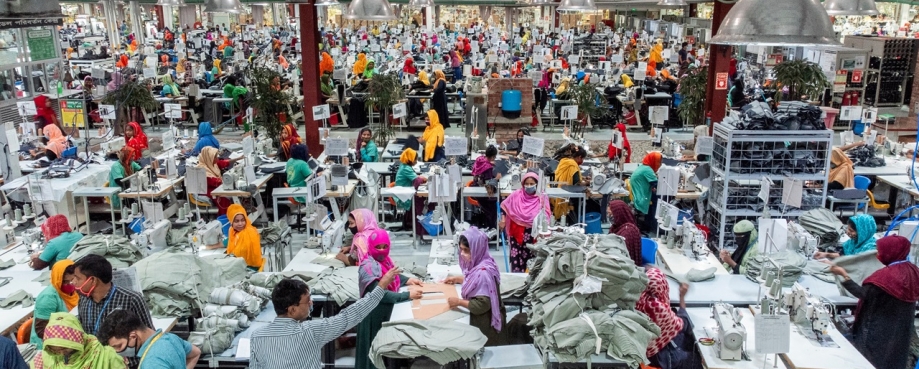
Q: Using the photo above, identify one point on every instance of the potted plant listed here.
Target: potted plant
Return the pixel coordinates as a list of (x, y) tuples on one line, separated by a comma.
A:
[(129, 96), (383, 91), (591, 104), (268, 103), (801, 78), (692, 94)]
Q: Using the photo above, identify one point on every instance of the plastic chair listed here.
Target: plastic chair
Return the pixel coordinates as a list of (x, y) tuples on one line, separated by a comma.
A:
[(24, 334), (862, 182), (648, 251), (879, 205), (472, 201)]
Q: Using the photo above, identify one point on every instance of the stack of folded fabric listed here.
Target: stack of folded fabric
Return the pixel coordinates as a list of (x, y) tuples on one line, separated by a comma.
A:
[(623, 334), (788, 266), (117, 249), (175, 281), (339, 284), (513, 285), (268, 279), (441, 341), (573, 274)]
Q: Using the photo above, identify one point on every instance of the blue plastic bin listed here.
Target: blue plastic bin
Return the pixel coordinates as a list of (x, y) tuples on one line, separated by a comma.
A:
[(137, 225), (858, 127), (593, 223), (225, 225), (648, 251), (511, 103)]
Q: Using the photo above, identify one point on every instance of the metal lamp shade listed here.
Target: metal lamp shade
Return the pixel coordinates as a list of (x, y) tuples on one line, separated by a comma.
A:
[(572, 6), (171, 2), (542, 2), (420, 3), (672, 3), (374, 10), (326, 2), (776, 22), (222, 6), (851, 7)]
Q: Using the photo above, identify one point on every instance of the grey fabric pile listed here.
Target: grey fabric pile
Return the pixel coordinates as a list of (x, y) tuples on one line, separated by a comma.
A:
[(269, 280), (20, 297), (513, 285), (213, 340), (441, 341), (28, 351), (623, 334), (858, 266), (790, 263), (573, 274), (819, 270), (7, 263), (176, 282), (339, 284), (824, 225), (117, 249)]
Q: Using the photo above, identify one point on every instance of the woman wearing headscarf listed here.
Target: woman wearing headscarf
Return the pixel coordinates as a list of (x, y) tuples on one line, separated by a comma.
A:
[(216, 71), (406, 177), (746, 239), (231, 91), (614, 152), (521, 209), (297, 168), (369, 70), (519, 140), (433, 138), (67, 346), (884, 318), (137, 140), (116, 82), (657, 54), (325, 85), (562, 89), (483, 170), (358, 68), (60, 239), (626, 81), (123, 167), (44, 113), (289, 137), (212, 167), (59, 297), (361, 223), (644, 187), (371, 270), (456, 64), (326, 65), (736, 97), (842, 173), (860, 229), (439, 98), (623, 224), (672, 348), (244, 241), (205, 138), (480, 293), (54, 135), (409, 66), (568, 173), (170, 88), (366, 148)]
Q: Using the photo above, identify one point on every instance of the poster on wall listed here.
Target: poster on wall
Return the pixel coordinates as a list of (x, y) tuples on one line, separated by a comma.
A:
[(73, 113), (41, 44)]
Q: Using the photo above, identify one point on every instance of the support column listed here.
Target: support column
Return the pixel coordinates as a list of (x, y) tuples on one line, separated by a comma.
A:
[(509, 22), (187, 16), (429, 17), (719, 60), (168, 21), (258, 15), (111, 23), (693, 10), (309, 38), (904, 14), (137, 24), (160, 23)]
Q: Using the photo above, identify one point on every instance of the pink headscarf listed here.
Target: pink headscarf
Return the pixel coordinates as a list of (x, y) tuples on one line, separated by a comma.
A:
[(377, 263), (480, 273), (366, 223), (522, 208)]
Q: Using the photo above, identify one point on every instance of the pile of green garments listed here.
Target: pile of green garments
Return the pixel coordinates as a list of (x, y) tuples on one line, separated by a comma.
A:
[(573, 274), (339, 284), (824, 225), (441, 341), (513, 285), (624, 334), (788, 265), (270, 279), (859, 267), (117, 249), (20, 297), (176, 282), (819, 270)]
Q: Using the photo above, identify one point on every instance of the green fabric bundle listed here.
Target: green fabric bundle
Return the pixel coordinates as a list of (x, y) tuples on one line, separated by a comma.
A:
[(117, 249), (624, 334), (176, 282), (790, 263)]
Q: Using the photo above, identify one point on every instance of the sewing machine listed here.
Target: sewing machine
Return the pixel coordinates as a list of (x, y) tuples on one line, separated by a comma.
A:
[(731, 333), (153, 237), (801, 240), (332, 234), (142, 180), (206, 234), (805, 307), (113, 145), (32, 238), (692, 239), (671, 148), (604, 180)]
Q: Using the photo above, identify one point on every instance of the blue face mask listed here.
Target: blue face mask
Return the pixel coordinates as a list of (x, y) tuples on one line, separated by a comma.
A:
[(530, 189)]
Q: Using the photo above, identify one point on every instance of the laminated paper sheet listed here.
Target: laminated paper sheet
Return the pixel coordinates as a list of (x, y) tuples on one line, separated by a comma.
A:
[(433, 302)]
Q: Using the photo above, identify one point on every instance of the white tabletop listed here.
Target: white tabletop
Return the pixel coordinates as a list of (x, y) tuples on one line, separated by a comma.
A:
[(94, 175), (900, 182), (893, 166), (679, 263), (22, 280), (511, 357), (303, 261), (703, 325), (739, 290)]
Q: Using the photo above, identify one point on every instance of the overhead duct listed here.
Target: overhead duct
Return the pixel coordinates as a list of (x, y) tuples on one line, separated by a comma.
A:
[(576, 6), (222, 6)]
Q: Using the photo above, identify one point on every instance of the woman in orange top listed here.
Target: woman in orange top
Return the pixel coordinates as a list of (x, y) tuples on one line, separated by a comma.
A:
[(244, 241)]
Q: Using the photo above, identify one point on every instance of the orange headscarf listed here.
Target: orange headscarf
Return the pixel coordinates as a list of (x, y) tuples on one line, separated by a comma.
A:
[(326, 65), (57, 279), (653, 160), (245, 244)]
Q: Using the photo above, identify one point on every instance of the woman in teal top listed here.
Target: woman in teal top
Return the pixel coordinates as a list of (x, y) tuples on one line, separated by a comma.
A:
[(366, 147), (644, 187), (59, 238), (170, 88), (297, 168), (860, 229), (122, 168), (59, 297), (405, 176)]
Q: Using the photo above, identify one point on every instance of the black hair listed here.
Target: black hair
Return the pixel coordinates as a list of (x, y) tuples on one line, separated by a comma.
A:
[(578, 152), (685, 44), (491, 151), (119, 324), (95, 266), (463, 240), (287, 293)]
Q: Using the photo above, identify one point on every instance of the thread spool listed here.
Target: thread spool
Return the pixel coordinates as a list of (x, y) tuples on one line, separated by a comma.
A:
[(9, 221), (770, 277), (181, 213), (27, 209), (134, 208), (18, 215)]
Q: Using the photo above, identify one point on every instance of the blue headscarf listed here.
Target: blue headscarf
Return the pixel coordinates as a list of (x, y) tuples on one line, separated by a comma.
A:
[(299, 151), (866, 228), (580, 75), (205, 138)]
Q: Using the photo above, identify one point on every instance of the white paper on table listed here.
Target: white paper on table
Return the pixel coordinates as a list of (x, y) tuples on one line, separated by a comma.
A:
[(336, 146), (668, 180), (248, 145), (402, 193), (455, 146), (533, 145), (243, 349), (26, 108)]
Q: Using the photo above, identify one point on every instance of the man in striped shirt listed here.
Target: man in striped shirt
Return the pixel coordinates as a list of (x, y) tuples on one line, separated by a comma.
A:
[(292, 341)]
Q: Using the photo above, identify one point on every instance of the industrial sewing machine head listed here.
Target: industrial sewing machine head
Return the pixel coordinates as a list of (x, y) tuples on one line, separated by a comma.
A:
[(731, 333), (32, 239), (804, 308), (153, 237), (801, 240), (693, 240), (671, 148), (206, 234)]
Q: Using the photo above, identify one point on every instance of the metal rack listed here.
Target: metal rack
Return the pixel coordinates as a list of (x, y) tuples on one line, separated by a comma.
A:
[(890, 69), (742, 158)]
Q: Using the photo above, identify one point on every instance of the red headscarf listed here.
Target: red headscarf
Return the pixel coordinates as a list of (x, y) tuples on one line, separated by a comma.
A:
[(54, 226), (653, 160), (138, 142), (900, 277), (613, 151), (42, 111), (409, 66), (292, 139), (126, 157)]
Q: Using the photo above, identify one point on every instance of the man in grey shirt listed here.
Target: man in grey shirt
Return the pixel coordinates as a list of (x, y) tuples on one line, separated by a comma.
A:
[(292, 341)]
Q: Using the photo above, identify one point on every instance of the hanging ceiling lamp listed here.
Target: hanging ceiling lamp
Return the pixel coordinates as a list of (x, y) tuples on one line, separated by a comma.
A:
[(326, 2), (170, 2), (542, 2), (851, 7), (222, 6), (420, 3), (374, 10), (575, 6), (776, 22), (672, 3)]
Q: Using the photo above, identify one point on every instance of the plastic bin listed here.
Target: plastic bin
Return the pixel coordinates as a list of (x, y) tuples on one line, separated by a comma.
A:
[(593, 223), (511, 103), (858, 127), (224, 225), (830, 116)]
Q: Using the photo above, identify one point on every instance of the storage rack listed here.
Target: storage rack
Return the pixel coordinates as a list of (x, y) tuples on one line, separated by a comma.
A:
[(741, 158), (890, 69)]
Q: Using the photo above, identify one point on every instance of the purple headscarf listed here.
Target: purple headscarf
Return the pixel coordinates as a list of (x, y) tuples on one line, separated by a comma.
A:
[(522, 208), (481, 276), (117, 80), (481, 165)]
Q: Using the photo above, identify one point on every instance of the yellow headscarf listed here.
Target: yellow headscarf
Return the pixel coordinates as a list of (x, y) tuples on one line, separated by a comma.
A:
[(423, 77), (207, 159), (627, 81), (439, 76), (245, 244), (217, 65), (657, 55), (359, 64), (57, 278), (563, 86), (433, 136), (180, 66), (564, 175), (408, 156)]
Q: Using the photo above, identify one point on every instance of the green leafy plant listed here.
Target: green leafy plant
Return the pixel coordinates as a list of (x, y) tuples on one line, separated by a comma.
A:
[(267, 102), (801, 77), (590, 102), (692, 92), (383, 91), (130, 95)]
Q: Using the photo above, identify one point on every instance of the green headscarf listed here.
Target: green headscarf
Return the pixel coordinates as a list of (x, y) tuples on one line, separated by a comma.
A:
[(369, 70), (64, 330), (326, 85), (741, 255), (234, 92), (865, 226), (173, 87)]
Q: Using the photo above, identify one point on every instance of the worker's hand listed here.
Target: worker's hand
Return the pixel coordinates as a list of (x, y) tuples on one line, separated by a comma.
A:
[(454, 280), (726, 258), (453, 302), (415, 294), (838, 270), (684, 288), (501, 223), (413, 282), (33, 258), (344, 258), (389, 277)]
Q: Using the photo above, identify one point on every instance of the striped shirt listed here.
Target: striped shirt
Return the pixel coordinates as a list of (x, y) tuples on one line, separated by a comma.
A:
[(286, 343)]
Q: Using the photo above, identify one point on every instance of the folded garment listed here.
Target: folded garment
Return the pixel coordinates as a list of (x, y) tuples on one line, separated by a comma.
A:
[(819, 270), (623, 334), (117, 249), (16, 298), (440, 340), (269, 280), (699, 275), (859, 267), (790, 263), (513, 285), (175, 281), (7, 263), (339, 284)]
